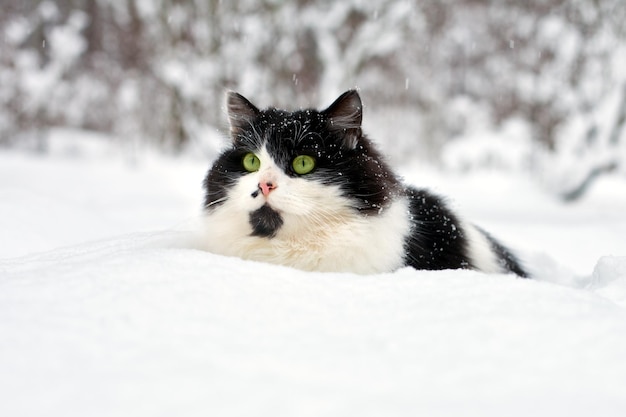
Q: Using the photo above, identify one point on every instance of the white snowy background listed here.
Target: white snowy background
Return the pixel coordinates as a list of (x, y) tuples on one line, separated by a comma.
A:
[(108, 307)]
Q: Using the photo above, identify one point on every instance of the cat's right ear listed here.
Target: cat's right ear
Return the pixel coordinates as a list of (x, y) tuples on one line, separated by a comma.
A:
[(241, 113)]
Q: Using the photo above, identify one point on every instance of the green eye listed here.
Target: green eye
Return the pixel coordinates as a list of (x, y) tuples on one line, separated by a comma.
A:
[(251, 162), (303, 164)]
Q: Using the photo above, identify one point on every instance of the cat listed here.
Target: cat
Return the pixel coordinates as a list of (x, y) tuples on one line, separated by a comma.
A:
[(308, 189)]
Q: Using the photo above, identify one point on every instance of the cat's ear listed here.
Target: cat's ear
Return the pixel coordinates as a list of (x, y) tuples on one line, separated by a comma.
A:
[(345, 116), (241, 113)]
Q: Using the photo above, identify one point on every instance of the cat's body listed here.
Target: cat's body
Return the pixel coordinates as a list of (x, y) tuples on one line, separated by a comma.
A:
[(306, 189)]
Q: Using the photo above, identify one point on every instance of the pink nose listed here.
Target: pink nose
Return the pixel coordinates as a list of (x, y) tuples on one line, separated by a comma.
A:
[(266, 187)]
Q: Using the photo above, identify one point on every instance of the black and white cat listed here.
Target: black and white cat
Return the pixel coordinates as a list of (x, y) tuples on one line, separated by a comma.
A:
[(307, 189)]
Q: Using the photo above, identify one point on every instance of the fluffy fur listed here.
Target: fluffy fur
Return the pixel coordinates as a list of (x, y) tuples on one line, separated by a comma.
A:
[(349, 214)]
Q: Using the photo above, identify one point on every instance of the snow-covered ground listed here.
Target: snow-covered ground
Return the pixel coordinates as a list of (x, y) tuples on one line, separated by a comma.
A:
[(106, 308)]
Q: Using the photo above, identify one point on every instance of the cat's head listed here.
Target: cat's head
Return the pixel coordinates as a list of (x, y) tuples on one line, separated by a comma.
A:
[(305, 164)]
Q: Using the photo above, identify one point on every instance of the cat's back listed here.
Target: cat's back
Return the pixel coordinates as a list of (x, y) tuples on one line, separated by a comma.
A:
[(439, 239)]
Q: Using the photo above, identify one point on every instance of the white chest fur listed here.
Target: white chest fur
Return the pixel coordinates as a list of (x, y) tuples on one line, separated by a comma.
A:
[(343, 242)]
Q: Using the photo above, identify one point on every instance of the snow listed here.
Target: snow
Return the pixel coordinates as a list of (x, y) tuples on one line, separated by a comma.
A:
[(609, 278), (107, 308)]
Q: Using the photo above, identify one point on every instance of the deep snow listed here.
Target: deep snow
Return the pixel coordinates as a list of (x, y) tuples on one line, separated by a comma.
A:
[(106, 308)]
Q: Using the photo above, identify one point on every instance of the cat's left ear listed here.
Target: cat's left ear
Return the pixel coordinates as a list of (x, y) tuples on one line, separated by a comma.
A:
[(241, 113), (345, 116)]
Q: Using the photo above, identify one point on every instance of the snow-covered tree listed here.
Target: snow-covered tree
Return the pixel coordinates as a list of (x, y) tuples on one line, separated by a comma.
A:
[(519, 83)]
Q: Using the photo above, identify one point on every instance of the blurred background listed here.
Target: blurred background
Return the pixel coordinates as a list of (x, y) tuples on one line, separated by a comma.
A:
[(536, 86)]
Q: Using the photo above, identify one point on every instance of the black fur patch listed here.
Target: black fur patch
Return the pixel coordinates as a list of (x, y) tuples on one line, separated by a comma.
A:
[(265, 222), (223, 175), (436, 240)]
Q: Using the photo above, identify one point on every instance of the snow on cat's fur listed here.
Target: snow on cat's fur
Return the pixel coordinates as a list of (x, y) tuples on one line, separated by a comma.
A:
[(307, 189)]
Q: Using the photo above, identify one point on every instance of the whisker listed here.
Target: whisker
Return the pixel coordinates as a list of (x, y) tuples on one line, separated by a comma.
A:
[(219, 200)]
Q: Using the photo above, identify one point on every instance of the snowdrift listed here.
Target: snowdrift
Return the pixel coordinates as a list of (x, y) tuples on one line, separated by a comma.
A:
[(147, 325)]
